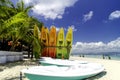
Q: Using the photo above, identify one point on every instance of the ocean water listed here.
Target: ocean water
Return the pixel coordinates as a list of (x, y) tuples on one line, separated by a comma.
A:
[(112, 56)]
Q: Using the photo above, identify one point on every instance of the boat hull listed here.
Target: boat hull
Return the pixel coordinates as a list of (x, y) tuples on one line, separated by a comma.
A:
[(60, 62), (49, 64), (42, 77), (76, 72)]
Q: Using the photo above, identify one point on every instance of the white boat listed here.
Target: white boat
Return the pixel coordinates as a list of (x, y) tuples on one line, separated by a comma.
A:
[(45, 58), (76, 72), (60, 62)]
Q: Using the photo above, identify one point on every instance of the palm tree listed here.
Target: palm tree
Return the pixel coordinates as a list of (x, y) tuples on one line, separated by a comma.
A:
[(16, 24), (6, 10), (12, 20)]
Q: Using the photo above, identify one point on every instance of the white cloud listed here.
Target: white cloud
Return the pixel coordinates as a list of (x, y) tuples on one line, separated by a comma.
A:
[(114, 15), (88, 16), (50, 9), (57, 29), (27, 1), (66, 29), (95, 47), (73, 28)]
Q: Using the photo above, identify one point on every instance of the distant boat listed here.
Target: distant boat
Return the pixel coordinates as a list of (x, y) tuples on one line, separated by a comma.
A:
[(76, 72)]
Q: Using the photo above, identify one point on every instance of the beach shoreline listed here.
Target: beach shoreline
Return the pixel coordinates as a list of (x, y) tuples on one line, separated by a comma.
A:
[(11, 71)]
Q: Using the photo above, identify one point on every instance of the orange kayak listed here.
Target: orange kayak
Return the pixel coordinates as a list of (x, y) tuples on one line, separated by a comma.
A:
[(52, 42), (44, 41)]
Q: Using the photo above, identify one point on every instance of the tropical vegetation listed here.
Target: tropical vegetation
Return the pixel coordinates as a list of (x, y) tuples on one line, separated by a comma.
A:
[(17, 26)]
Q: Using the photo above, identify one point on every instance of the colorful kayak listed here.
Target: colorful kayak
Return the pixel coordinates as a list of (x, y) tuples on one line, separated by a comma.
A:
[(44, 41), (60, 44), (52, 42), (76, 72), (68, 43)]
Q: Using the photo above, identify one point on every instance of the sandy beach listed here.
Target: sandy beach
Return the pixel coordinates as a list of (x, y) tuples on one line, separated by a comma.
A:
[(112, 68), (11, 71)]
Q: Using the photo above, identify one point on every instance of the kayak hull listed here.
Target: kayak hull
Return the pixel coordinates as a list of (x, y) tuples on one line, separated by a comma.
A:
[(52, 52), (44, 52), (60, 51)]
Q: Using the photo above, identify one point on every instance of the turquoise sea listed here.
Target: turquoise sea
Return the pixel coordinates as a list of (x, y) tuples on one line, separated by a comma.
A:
[(111, 55)]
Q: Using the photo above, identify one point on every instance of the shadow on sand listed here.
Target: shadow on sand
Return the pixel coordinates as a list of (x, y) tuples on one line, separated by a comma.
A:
[(97, 76), (15, 78), (21, 63), (91, 78)]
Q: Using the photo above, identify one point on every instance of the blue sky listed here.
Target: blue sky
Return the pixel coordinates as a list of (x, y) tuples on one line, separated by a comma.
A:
[(95, 22)]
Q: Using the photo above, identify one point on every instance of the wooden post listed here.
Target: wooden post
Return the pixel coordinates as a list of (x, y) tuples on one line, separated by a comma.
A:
[(20, 75)]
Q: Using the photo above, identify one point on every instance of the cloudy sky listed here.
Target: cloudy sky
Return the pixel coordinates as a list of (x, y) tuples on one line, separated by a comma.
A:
[(96, 23)]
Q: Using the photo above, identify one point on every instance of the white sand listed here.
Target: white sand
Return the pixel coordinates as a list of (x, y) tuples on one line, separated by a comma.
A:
[(112, 67), (11, 71)]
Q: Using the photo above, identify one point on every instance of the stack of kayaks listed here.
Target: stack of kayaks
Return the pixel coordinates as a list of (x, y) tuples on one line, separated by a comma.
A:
[(56, 45), (77, 71), (61, 68)]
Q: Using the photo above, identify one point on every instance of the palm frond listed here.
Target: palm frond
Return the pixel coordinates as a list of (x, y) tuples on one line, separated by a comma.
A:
[(20, 17)]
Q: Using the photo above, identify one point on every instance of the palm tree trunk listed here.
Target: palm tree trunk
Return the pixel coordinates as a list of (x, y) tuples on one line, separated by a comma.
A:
[(29, 51)]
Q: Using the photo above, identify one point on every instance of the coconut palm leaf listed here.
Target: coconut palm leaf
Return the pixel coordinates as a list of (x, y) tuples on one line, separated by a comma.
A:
[(7, 25), (21, 7), (36, 42)]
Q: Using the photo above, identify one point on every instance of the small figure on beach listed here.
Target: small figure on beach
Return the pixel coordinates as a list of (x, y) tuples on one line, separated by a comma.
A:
[(109, 57), (103, 56), (83, 55)]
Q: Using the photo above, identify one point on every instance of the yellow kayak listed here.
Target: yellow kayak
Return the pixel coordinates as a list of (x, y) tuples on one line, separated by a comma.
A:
[(60, 44), (68, 43)]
